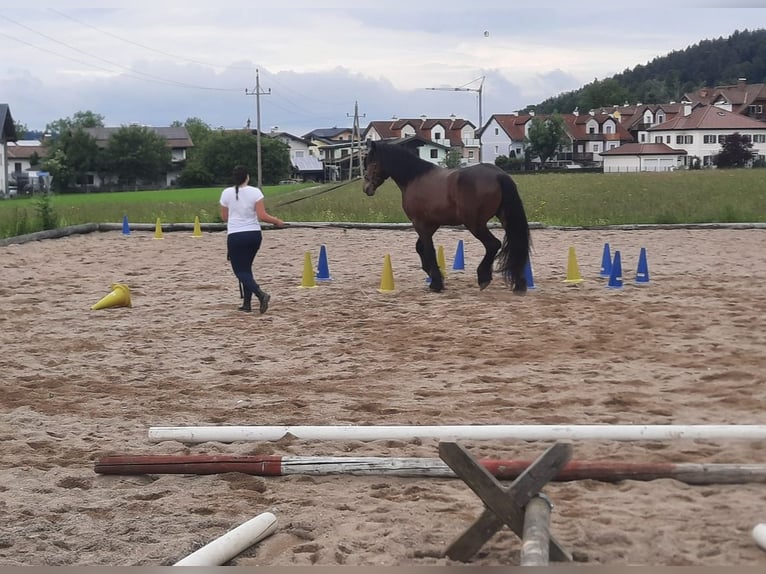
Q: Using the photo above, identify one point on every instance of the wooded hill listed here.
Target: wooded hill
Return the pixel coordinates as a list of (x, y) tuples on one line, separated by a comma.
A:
[(709, 63)]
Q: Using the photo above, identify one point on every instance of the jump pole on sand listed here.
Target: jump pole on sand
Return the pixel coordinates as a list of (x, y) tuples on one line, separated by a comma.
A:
[(228, 434), (416, 467), (223, 549)]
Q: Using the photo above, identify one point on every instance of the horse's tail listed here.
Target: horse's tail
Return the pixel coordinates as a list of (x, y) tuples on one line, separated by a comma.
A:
[(514, 253)]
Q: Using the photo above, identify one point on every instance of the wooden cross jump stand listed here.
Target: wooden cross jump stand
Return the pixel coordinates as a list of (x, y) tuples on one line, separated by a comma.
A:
[(503, 506)]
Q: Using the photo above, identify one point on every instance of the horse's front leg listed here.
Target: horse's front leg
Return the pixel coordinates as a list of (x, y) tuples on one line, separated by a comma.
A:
[(428, 257), (421, 251)]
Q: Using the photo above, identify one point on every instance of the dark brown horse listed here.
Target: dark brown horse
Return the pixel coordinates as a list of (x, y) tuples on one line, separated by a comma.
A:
[(433, 196)]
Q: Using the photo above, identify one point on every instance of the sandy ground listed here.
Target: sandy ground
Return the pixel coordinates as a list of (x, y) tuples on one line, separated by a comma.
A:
[(77, 385)]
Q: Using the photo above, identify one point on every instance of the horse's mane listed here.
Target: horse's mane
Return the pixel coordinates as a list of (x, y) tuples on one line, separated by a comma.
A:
[(401, 164)]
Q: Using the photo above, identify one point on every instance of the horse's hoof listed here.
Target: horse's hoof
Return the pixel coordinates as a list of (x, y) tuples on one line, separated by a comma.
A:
[(483, 285), (435, 288)]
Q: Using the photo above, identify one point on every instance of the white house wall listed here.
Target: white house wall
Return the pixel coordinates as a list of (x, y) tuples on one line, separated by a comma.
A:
[(495, 142), (704, 151)]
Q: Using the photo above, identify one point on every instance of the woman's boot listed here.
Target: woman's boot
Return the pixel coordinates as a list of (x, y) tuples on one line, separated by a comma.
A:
[(264, 299)]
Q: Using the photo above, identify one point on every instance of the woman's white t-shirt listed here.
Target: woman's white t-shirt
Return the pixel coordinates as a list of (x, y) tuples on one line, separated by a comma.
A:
[(242, 216)]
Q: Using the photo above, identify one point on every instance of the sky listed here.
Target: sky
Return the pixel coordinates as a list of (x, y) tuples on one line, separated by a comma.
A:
[(152, 62)]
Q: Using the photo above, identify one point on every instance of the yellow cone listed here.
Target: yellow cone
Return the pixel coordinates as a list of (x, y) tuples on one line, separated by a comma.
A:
[(309, 278), (158, 230), (119, 297), (197, 230), (573, 270), (387, 280), (441, 261)]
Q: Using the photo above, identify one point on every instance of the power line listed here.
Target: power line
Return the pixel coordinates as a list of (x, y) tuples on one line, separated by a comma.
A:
[(132, 73)]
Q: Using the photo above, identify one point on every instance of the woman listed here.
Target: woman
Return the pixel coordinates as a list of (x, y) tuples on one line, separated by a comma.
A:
[(243, 210)]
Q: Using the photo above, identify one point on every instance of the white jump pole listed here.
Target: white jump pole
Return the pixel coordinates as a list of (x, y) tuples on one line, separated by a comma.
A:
[(228, 434), (223, 549), (759, 535)]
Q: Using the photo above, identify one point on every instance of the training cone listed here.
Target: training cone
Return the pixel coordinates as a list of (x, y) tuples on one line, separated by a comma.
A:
[(308, 273), (528, 274), (125, 226), (119, 297), (323, 269), (615, 279), (440, 261), (387, 280), (606, 262), (458, 264), (158, 230), (573, 270), (197, 230), (642, 272)]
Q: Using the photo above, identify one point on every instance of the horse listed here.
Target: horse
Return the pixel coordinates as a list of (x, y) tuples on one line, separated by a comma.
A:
[(433, 196)]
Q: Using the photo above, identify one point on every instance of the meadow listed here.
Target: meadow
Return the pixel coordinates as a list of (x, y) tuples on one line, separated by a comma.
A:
[(561, 199)]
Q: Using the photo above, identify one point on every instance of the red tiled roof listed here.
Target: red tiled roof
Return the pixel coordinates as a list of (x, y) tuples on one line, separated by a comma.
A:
[(25, 151), (710, 118)]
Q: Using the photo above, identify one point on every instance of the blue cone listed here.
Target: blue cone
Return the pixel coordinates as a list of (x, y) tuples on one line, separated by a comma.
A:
[(459, 262), (323, 270), (642, 273), (615, 278), (125, 226), (528, 274), (606, 262)]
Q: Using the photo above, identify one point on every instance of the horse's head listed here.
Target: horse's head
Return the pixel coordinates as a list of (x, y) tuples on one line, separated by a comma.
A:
[(374, 174)]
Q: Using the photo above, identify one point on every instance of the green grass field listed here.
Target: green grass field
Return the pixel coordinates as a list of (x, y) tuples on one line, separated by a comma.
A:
[(570, 199)]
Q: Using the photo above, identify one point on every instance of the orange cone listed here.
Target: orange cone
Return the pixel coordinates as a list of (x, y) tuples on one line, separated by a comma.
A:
[(119, 297)]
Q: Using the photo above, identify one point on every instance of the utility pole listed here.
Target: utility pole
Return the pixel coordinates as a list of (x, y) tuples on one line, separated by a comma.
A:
[(356, 136), (258, 93), (479, 90)]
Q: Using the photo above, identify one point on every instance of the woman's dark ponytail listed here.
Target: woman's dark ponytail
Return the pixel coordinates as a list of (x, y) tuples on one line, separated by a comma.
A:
[(240, 175)]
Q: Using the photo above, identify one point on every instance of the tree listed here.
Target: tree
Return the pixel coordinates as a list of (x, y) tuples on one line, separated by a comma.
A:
[(72, 155), (545, 137), (86, 119), (136, 154), (222, 150), (21, 130), (453, 159), (736, 151)]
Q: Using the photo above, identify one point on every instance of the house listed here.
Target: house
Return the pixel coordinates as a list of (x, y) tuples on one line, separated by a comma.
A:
[(7, 134), (636, 119), (633, 157), (306, 165), (701, 130), (589, 135), (177, 138), (453, 133), (741, 98), (23, 157)]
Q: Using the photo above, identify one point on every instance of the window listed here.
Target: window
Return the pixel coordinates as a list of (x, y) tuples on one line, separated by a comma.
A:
[(437, 136), (497, 150), (612, 145), (657, 139), (434, 153), (721, 139), (591, 130), (299, 153), (679, 139), (608, 129), (470, 154), (497, 131), (755, 108), (596, 148), (759, 138), (688, 139), (708, 139), (643, 138), (17, 167), (667, 139)]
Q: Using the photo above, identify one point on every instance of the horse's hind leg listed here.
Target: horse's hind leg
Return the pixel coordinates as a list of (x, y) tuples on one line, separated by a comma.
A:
[(491, 245)]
